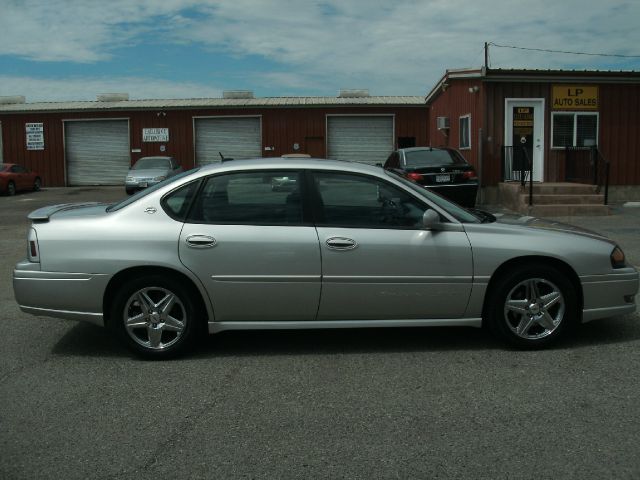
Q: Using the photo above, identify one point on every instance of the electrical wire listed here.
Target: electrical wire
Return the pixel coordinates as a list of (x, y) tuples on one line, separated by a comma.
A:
[(564, 51)]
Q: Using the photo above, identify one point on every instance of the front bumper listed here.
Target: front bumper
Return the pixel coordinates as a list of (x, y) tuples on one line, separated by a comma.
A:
[(609, 295), (72, 296)]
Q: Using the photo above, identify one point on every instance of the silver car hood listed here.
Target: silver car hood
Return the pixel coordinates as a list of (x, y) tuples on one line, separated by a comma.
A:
[(68, 210), (545, 224)]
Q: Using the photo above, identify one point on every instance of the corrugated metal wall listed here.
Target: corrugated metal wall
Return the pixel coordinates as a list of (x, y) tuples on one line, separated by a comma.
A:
[(282, 128)]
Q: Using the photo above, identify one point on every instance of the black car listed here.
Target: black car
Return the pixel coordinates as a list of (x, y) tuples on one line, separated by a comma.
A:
[(442, 170)]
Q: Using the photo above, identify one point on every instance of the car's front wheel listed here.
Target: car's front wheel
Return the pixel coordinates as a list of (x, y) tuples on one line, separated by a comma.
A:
[(37, 183), (11, 189), (532, 306), (155, 316)]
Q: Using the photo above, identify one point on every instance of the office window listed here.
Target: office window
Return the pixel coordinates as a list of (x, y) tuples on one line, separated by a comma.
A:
[(465, 132), (574, 129)]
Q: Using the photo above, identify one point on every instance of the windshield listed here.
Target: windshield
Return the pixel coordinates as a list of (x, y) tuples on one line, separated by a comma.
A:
[(151, 162), (147, 191), (458, 212), (431, 157)]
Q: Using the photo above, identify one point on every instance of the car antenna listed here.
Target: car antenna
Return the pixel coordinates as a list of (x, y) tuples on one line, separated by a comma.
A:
[(222, 157)]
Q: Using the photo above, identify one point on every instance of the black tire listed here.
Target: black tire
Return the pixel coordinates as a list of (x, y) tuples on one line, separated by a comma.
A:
[(542, 306), (154, 326), (130, 191), (11, 189), (37, 184)]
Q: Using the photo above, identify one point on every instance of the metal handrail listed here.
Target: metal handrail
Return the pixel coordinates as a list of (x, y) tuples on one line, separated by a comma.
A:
[(600, 168), (523, 169)]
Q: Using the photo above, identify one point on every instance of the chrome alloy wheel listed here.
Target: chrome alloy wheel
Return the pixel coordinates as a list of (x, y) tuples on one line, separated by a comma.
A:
[(155, 318), (534, 308)]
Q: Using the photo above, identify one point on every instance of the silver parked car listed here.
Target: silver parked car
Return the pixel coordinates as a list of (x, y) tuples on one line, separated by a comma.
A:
[(349, 245), (149, 171)]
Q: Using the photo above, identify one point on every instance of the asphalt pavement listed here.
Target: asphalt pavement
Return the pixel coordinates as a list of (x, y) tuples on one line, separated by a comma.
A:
[(401, 403)]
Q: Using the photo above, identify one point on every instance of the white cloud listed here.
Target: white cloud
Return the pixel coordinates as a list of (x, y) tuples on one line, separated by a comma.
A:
[(398, 47), (78, 88)]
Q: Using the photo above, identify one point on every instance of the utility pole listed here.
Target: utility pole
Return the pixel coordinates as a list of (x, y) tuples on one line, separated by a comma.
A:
[(486, 55)]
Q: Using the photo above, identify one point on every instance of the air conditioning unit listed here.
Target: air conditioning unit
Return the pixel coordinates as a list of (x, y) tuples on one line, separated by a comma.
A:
[(442, 123)]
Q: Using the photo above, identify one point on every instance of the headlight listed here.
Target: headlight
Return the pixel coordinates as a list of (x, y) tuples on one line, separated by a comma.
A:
[(617, 258), (129, 179), (160, 178)]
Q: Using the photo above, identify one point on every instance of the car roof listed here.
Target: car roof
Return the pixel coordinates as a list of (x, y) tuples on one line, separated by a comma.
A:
[(270, 163), (418, 149)]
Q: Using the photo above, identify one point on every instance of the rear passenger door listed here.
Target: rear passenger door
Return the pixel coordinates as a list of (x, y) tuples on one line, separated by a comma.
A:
[(250, 241)]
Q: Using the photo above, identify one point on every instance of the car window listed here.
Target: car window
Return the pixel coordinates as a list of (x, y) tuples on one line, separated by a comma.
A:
[(250, 198), (348, 200), (177, 203), (18, 169), (143, 193), (152, 162), (429, 157), (458, 212)]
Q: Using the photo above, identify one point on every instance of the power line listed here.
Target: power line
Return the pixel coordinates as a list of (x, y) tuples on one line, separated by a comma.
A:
[(564, 51)]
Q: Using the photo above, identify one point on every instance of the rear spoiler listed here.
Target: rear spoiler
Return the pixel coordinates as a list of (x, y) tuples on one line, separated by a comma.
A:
[(43, 214)]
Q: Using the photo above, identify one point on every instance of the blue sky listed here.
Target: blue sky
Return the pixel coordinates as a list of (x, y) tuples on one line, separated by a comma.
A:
[(72, 50)]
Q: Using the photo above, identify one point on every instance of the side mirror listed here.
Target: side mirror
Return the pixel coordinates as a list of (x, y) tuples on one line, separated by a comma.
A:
[(430, 220)]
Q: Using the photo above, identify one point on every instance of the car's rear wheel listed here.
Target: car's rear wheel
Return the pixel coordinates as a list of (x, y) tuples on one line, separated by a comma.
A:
[(37, 184), (11, 188), (155, 316), (532, 306)]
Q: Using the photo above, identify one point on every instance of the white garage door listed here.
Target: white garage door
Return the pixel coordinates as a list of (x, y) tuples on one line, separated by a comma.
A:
[(365, 139), (97, 152), (234, 137)]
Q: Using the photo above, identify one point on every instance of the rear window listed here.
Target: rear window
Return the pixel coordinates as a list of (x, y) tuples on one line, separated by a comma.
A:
[(428, 158)]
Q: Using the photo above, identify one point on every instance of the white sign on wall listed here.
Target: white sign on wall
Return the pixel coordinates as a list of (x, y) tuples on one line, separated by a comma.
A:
[(155, 134), (35, 136)]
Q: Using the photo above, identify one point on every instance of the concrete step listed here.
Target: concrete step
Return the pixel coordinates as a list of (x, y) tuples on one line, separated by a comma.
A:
[(563, 199), (565, 210), (562, 189)]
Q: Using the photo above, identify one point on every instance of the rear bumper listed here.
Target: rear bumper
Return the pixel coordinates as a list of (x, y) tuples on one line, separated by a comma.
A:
[(609, 295), (72, 296), (462, 193)]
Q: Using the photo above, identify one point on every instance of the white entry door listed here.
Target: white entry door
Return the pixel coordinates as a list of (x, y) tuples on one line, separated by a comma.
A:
[(524, 127)]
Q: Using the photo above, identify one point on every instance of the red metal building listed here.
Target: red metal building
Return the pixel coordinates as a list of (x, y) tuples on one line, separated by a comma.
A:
[(558, 117), (94, 143)]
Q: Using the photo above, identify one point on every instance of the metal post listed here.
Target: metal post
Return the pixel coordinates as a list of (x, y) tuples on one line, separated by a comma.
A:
[(606, 183)]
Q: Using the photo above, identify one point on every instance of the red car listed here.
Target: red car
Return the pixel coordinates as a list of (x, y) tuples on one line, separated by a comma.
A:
[(14, 177)]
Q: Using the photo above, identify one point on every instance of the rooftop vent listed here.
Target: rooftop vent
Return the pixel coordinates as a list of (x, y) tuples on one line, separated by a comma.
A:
[(353, 93), (113, 97), (12, 100), (237, 94)]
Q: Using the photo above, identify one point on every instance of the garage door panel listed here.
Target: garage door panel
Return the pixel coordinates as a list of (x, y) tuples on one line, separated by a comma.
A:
[(97, 152), (365, 139), (234, 137)]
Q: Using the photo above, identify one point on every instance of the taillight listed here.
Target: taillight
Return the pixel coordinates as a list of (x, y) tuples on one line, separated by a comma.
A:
[(469, 175), (33, 251), (416, 177)]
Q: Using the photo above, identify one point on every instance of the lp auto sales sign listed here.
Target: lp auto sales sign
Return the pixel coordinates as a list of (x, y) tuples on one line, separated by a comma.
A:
[(34, 135)]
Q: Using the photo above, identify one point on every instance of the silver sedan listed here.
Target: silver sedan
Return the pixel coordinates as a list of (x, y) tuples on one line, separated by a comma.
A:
[(348, 245)]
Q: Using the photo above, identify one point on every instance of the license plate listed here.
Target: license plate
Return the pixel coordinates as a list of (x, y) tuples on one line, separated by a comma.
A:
[(443, 178), (143, 184)]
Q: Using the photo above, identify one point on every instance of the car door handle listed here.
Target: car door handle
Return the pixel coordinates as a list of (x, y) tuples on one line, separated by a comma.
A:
[(200, 241), (341, 243)]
